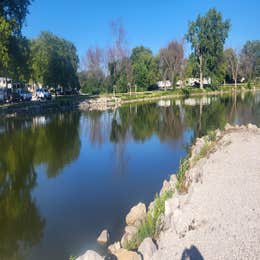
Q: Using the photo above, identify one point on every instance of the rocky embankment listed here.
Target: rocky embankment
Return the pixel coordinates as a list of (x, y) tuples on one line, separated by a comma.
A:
[(214, 212), (100, 104)]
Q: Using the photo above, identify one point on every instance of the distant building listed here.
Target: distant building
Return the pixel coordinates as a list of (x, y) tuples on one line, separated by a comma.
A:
[(193, 82), (6, 82), (164, 84)]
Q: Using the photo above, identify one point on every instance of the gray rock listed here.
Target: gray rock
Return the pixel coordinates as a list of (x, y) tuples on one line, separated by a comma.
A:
[(123, 254), (171, 205), (228, 126), (103, 237), (137, 213), (90, 255), (131, 230), (114, 247), (252, 127), (147, 248)]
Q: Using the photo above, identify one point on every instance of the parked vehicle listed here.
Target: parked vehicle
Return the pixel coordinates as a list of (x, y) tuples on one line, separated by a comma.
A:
[(43, 93), (2, 96), (24, 94), (13, 97)]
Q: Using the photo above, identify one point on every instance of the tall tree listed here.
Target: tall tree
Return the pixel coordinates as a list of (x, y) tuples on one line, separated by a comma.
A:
[(117, 56), (171, 60), (54, 61), (12, 16), (5, 35), (250, 59), (92, 76), (232, 60), (145, 68), (207, 36), (14, 11)]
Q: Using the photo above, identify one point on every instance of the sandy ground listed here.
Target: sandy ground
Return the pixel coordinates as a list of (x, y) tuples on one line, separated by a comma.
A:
[(225, 206)]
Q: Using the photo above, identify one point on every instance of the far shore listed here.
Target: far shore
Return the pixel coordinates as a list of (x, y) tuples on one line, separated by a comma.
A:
[(84, 102)]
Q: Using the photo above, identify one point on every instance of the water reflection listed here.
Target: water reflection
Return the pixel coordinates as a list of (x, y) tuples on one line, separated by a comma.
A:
[(133, 136), (25, 144)]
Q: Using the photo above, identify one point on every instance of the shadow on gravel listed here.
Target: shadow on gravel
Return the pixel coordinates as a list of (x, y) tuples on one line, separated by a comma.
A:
[(191, 254)]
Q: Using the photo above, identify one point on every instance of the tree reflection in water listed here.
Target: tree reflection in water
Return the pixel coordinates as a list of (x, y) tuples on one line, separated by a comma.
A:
[(25, 145)]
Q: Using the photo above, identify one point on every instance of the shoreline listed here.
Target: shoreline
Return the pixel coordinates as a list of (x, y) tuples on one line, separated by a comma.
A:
[(103, 103), (176, 221)]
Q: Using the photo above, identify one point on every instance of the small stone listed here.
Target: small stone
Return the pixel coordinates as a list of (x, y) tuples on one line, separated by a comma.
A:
[(90, 255), (103, 237), (114, 247), (137, 213), (228, 126), (252, 127), (123, 254), (124, 240), (218, 133), (166, 187), (173, 180), (130, 232), (147, 248), (151, 207)]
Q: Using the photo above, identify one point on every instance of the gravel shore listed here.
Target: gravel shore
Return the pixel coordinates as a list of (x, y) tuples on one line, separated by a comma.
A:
[(223, 210)]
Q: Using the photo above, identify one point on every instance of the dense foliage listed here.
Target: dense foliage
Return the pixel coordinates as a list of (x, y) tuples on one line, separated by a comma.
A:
[(207, 36), (54, 61)]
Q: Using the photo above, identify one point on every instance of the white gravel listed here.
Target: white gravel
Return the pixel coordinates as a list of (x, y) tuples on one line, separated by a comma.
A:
[(225, 207)]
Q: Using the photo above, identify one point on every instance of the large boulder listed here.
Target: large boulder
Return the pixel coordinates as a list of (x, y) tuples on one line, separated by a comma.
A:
[(136, 214), (147, 248), (103, 237), (123, 254), (90, 255)]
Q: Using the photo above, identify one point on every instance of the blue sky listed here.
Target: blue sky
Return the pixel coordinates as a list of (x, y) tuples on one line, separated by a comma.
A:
[(149, 23)]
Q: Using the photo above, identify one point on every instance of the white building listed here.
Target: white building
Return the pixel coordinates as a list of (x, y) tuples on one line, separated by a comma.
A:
[(164, 84), (5, 82), (196, 81)]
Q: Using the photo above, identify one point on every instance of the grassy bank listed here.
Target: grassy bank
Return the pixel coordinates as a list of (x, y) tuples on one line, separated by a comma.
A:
[(149, 226), (185, 92)]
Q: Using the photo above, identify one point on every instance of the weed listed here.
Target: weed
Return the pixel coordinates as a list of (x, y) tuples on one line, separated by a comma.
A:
[(148, 226), (184, 167)]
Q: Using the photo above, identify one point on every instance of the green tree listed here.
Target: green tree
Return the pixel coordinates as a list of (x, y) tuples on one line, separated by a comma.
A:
[(232, 61), (250, 59), (14, 12), (54, 61), (12, 16), (207, 36), (145, 68), (5, 35)]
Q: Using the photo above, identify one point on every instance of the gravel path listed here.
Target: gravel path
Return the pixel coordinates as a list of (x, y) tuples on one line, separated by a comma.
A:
[(225, 208)]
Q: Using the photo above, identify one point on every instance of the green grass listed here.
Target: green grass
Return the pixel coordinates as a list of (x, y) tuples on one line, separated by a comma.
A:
[(184, 167), (148, 226)]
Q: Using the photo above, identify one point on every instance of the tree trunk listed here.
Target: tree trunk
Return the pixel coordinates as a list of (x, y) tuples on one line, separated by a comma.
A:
[(201, 72), (235, 83)]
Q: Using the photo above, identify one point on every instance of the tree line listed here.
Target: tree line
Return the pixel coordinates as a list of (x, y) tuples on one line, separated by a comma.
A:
[(53, 61), (48, 60)]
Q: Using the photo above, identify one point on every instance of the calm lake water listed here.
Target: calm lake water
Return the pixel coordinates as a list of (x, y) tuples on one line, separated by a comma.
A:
[(65, 177)]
